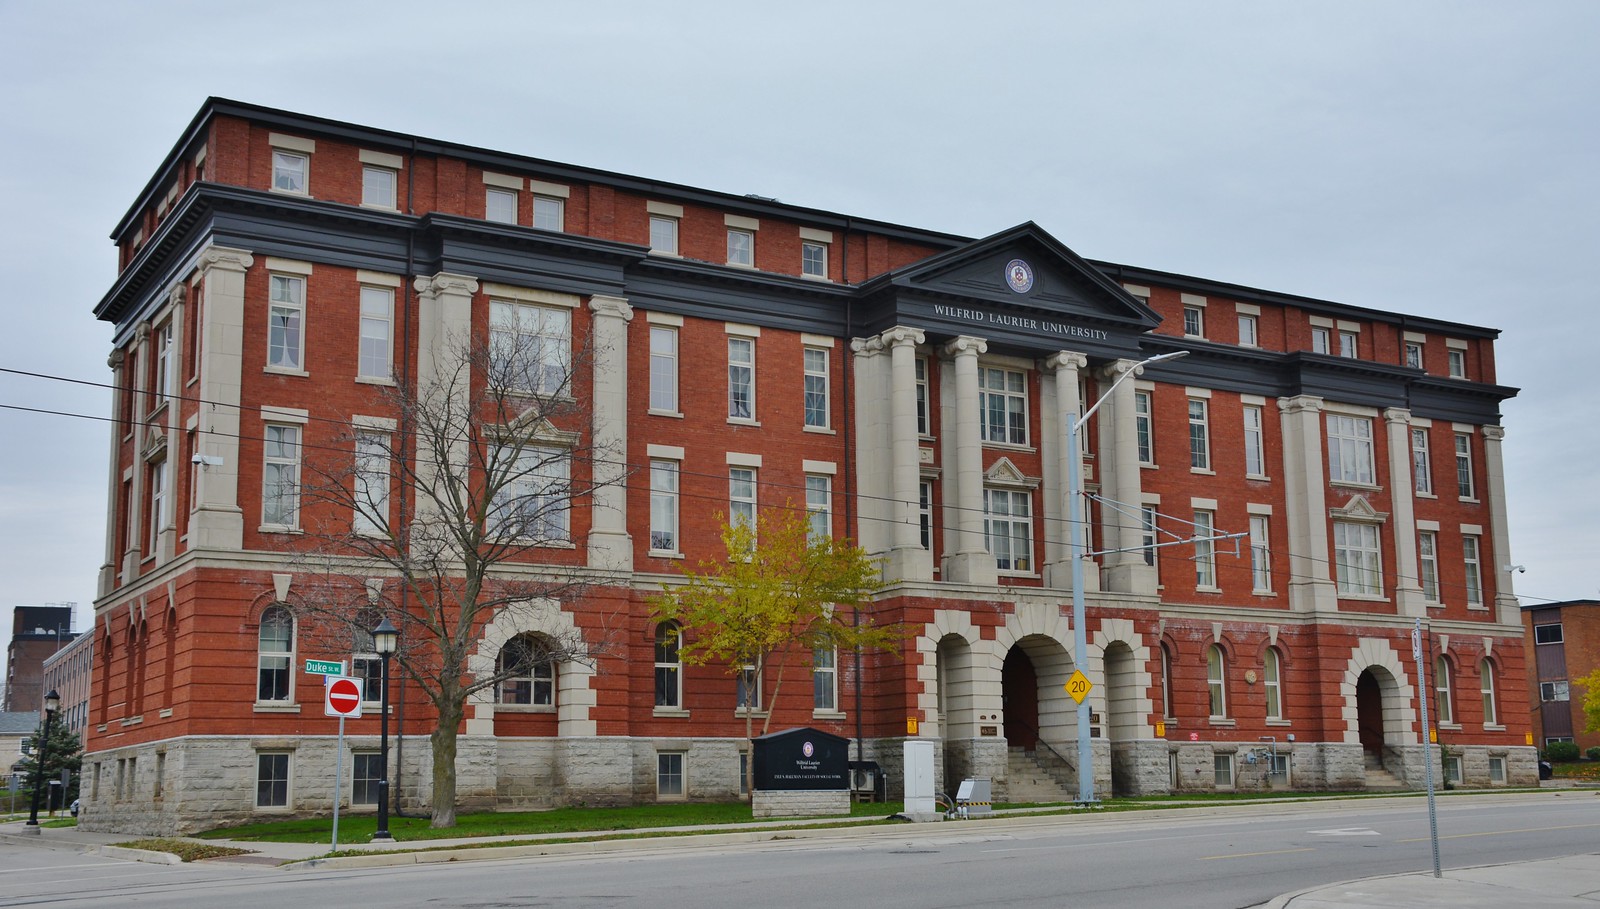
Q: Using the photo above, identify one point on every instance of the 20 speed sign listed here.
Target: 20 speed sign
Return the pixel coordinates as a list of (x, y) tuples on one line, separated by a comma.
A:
[(342, 697)]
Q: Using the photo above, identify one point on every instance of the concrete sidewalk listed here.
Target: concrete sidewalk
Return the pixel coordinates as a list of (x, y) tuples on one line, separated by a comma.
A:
[(1562, 883)]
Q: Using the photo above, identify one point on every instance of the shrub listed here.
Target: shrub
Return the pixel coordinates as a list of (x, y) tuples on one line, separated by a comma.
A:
[(1593, 754), (1557, 752)]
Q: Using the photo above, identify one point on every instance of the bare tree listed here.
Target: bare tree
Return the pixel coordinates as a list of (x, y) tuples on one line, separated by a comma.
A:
[(453, 516)]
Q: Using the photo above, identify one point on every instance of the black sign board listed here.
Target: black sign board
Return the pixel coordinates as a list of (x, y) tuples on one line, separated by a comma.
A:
[(803, 758)]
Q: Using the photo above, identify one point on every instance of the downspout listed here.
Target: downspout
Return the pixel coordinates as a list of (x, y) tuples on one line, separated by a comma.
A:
[(406, 295), (849, 472)]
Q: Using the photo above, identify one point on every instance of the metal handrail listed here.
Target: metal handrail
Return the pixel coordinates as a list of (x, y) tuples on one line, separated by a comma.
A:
[(1039, 737)]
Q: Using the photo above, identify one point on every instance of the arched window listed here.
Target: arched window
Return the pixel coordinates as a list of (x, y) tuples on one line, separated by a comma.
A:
[(529, 671), (1216, 681), (1166, 682), (1441, 685), (1491, 715), (669, 667), (1272, 683), (275, 653)]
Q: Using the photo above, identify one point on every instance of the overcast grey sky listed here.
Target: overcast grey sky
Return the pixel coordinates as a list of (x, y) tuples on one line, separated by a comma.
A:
[(1435, 158)]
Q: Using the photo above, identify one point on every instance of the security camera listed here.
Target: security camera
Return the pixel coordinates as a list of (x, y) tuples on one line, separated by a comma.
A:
[(1520, 569), (206, 460)]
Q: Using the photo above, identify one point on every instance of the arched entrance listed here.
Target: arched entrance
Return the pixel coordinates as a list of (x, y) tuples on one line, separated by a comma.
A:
[(1019, 686), (1369, 715), (1123, 721)]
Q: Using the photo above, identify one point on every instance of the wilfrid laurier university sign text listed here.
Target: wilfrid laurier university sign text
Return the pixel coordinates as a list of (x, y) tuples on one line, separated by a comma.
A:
[(1021, 323)]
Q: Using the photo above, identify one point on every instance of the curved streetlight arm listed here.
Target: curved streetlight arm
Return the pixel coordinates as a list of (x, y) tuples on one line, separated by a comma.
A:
[(1159, 358)]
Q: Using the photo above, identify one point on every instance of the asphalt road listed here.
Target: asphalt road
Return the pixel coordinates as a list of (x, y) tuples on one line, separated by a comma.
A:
[(1212, 859)]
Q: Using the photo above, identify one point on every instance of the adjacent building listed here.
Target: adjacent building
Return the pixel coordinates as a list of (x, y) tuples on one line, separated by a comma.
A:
[(68, 672), (37, 632), (1563, 644), (1269, 518)]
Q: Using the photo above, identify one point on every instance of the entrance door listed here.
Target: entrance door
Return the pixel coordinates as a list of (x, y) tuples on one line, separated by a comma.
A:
[(1019, 685), (1369, 713)]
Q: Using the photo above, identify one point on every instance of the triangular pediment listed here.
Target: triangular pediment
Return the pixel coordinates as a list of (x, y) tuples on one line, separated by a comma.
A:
[(1359, 509), (1005, 473)]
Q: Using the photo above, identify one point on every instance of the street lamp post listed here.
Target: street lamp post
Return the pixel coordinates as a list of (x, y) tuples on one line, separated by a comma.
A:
[(1075, 518), (384, 640), (52, 703)]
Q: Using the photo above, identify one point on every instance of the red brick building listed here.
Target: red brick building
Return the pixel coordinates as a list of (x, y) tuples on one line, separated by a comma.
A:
[(1563, 645), (1269, 517)]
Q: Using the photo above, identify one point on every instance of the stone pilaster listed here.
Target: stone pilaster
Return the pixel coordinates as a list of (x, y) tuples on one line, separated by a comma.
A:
[(1122, 481), (216, 520), (908, 561), (444, 374), (1311, 587), (1057, 510), (871, 411), (1505, 598), (1408, 586), (134, 532), (108, 569), (966, 561), (610, 547)]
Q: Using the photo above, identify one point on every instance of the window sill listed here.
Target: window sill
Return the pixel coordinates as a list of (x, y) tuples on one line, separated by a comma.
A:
[(827, 715), (1450, 727), (277, 528), (1149, 465), (1206, 588), (1010, 446), (1431, 604), (670, 713), (665, 254), (757, 714), (275, 707), (1353, 484), (1204, 471), (742, 421), (1493, 727), (823, 278), (1007, 573), (1222, 721), (1470, 500), (665, 413), (821, 430), (1425, 495), (1283, 723), (1263, 593), (1477, 607), (373, 206), (288, 192), (374, 380), (663, 554), (1258, 477), (285, 371), (525, 708), (1363, 597)]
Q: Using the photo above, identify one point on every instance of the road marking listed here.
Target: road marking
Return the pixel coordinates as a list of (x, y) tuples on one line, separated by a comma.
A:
[(1463, 836), (1345, 831), (1207, 858)]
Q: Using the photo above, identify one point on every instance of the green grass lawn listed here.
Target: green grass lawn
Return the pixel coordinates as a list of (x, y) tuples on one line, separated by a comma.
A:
[(1588, 771), (359, 828)]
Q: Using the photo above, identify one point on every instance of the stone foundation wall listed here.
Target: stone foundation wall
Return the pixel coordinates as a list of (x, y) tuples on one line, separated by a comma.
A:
[(800, 803)]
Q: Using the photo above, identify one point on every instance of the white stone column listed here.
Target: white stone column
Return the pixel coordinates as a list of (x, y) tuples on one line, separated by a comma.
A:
[(216, 521), (908, 561), (1403, 518), (967, 562), (109, 568), (1311, 588), (1057, 510), (1505, 597), (874, 480), (610, 547), (132, 550), (444, 371), (1122, 481)]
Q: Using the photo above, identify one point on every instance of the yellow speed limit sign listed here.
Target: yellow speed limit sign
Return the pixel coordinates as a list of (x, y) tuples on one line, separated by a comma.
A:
[(1078, 686)]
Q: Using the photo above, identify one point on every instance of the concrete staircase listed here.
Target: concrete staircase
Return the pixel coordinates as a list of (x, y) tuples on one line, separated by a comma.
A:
[(1037, 776), (1379, 779)]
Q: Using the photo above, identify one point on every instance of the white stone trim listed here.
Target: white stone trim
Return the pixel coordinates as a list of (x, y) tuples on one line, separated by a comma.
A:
[(742, 330), (1138, 290), (1348, 326), (1197, 392), (669, 452), (1472, 529), (1466, 428), (273, 414), (292, 143), (1427, 525), (380, 159), (556, 190), (575, 697), (1421, 423), (287, 266), (378, 278), (740, 222), (1150, 498), (827, 467), (1257, 508), (531, 295), (1247, 309), (504, 181), (663, 318), (1192, 300), (816, 341), (1253, 401), (1455, 343), (1202, 504), (1415, 337), (1321, 322), (1397, 716), (815, 235), (381, 424), (743, 459), (666, 209), (1350, 410)]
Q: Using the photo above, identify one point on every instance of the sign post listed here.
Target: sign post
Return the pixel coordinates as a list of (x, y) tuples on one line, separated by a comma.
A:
[(1427, 751), (341, 698)]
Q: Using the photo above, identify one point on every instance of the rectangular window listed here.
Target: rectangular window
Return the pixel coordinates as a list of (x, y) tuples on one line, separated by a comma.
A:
[(1421, 462), (664, 506), (1464, 465), (1255, 458), (1452, 769), (158, 501), (378, 187), (1222, 770), (741, 248), (531, 491), (1199, 435), (286, 310), (366, 771), (741, 379), (371, 484), (1205, 550), (1272, 683), (1008, 528), (280, 483), (1547, 634), (819, 507), (749, 689), (1347, 343), (925, 514), (1414, 354), (816, 387), (922, 396), (1148, 537), (1555, 691), (1357, 559), (1260, 554), (165, 376), (530, 347), (1470, 552), (1194, 322), (1458, 364), (377, 333), (669, 774), (663, 235), (1247, 331), (1319, 340), (663, 369), (289, 172), (669, 667), (272, 780), (1350, 449), (1143, 430), (500, 205), (1003, 406), (824, 679), (742, 496), (549, 213), (814, 259), (1497, 770), (1428, 564)]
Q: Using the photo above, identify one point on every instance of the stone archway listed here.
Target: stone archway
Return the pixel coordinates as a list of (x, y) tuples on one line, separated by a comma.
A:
[(1369, 714), (1019, 689)]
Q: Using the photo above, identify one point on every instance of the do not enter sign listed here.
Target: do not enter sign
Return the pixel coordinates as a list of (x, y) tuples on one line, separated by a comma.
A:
[(343, 698)]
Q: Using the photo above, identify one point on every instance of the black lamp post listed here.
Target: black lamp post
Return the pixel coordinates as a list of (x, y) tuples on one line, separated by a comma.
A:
[(384, 640), (52, 703)]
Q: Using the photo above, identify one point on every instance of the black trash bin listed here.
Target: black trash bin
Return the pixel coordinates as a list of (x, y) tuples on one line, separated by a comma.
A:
[(1545, 770)]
